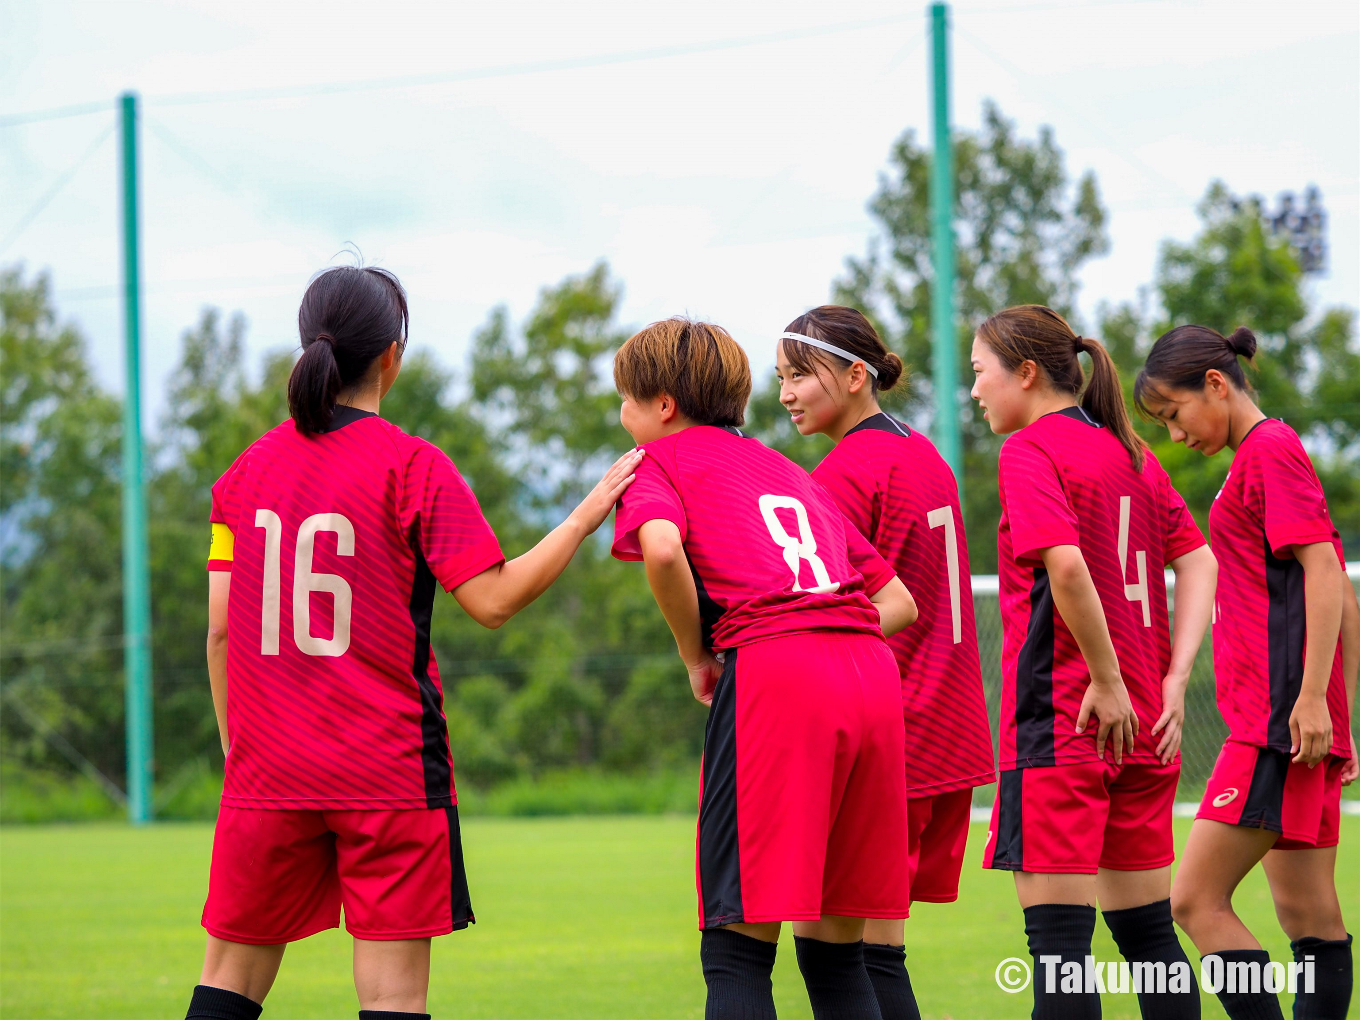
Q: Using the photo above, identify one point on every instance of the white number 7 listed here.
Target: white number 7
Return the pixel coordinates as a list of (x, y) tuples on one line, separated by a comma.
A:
[(1133, 592), (943, 517)]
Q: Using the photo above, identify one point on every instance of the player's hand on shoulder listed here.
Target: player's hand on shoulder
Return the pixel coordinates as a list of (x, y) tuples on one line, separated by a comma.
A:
[(600, 500)]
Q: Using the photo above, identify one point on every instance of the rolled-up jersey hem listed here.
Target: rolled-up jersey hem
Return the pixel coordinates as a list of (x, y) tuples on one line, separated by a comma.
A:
[(1137, 758), (1342, 751), (951, 785), (337, 803)]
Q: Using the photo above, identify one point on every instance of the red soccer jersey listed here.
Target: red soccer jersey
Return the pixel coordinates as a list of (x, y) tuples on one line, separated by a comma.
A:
[(1270, 501), (771, 554), (892, 484), (1065, 480), (334, 543)]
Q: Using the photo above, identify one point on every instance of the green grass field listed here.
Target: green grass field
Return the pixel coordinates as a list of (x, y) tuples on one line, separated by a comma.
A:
[(579, 917)]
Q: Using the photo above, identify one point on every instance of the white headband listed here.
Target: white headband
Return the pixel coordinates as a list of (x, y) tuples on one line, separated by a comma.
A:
[(831, 349)]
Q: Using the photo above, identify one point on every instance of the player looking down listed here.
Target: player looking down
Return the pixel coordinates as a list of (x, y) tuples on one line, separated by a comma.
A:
[(329, 534), (1286, 648), (778, 608), (895, 488), (1093, 687)]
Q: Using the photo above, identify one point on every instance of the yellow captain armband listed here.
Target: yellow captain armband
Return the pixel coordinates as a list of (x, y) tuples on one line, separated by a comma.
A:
[(223, 545)]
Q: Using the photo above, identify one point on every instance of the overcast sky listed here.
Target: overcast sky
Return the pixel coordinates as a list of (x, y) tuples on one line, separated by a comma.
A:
[(718, 154)]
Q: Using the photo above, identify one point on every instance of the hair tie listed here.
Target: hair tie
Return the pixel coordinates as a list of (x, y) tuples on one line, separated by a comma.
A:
[(1078, 345), (326, 337)]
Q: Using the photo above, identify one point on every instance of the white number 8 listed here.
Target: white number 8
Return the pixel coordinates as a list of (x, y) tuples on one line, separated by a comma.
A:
[(799, 548), (1133, 592)]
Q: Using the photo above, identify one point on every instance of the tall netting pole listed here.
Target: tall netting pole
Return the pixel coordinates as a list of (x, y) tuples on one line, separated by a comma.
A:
[(136, 578), (944, 348)]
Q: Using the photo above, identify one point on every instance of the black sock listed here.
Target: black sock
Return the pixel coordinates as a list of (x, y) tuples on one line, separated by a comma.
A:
[(1245, 1004), (389, 1014), (1063, 930), (211, 1003), (1146, 935), (837, 983), (737, 971), (887, 967), (1332, 978)]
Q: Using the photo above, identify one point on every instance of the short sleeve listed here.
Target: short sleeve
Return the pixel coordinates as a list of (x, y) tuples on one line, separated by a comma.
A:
[(854, 491), (441, 516), (1281, 488), (1035, 502), (224, 516), (652, 496), (865, 558), (1182, 533)]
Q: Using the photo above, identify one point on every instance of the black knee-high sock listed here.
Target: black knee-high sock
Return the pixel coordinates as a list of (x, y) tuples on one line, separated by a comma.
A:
[(388, 1014), (1333, 976), (837, 983), (887, 967), (211, 1003), (1146, 935), (1246, 1004), (1063, 930), (737, 971)]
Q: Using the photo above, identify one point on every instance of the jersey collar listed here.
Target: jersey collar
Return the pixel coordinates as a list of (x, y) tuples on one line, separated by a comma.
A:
[(1078, 413), (881, 422), (345, 415)]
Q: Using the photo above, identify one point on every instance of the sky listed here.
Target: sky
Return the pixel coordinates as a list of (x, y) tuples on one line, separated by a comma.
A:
[(719, 155)]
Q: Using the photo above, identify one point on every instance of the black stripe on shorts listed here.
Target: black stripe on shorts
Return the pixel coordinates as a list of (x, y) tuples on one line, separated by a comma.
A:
[(1009, 852), (719, 852), (1264, 807), (1034, 680), (460, 900)]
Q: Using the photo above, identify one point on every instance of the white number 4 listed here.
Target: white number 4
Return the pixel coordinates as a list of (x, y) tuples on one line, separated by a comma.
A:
[(305, 581), (943, 517), (1133, 592)]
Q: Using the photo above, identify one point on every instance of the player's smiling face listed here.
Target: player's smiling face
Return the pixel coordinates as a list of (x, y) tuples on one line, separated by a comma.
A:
[(1001, 393), (1199, 419), (814, 400)]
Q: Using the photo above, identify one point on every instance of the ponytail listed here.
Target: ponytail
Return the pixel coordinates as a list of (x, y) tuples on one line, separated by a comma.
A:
[(1181, 358), (1039, 334), (349, 316)]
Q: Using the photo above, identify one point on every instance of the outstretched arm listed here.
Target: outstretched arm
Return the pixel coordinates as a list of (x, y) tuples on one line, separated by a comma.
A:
[(497, 594)]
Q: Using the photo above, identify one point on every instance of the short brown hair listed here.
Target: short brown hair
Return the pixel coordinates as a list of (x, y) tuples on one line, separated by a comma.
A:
[(697, 363)]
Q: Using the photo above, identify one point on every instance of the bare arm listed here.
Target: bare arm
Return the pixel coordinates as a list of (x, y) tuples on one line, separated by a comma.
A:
[(1076, 599), (219, 588), (896, 607), (672, 583), (1310, 724), (497, 594), (1350, 665), (1196, 582)]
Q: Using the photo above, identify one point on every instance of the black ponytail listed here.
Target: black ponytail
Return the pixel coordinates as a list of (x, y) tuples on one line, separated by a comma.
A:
[(1181, 357), (348, 318)]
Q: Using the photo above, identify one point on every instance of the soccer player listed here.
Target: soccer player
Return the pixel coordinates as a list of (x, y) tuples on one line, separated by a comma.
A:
[(778, 608), (892, 485), (1286, 648), (329, 534), (1092, 700)]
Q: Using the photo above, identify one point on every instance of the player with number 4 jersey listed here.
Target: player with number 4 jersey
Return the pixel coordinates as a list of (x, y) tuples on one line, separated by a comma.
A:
[(778, 608), (329, 536), (1092, 698)]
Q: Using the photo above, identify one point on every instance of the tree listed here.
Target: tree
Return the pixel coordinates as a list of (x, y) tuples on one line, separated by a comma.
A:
[(1237, 272), (1023, 232)]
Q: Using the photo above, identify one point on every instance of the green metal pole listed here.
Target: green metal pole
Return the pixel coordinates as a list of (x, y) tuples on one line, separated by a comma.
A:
[(136, 579), (944, 349)]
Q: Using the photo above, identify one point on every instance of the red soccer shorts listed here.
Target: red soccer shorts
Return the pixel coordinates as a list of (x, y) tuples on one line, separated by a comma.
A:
[(279, 876), (803, 807), (937, 835), (1258, 788), (1075, 819)]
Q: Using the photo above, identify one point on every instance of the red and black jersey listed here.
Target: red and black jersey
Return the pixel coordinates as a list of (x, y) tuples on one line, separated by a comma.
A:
[(1065, 480), (893, 485), (335, 542), (770, 552), (1270, 502)]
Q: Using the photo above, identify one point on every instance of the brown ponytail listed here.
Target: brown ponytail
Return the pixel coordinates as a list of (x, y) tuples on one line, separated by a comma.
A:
[(1039, 334)]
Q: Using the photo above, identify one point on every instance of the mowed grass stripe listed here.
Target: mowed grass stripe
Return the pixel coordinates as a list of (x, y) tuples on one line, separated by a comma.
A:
[(579, 917)]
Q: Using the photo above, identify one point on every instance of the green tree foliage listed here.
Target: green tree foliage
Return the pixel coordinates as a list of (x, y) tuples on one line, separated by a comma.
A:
[(1235, 272), (586, 676), (1023, 232)]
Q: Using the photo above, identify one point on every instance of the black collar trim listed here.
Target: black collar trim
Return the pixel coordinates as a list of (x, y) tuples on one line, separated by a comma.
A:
[(1254, 428), (733, 430), (1078, 413), (882, 422), (345, 415)]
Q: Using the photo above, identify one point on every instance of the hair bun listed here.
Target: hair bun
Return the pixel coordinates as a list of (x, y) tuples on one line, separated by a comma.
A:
[(1242, 341), (889, 371)]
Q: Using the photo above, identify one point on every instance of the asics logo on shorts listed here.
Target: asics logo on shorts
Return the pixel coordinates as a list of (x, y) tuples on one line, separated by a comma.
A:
[(1226, 797)]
